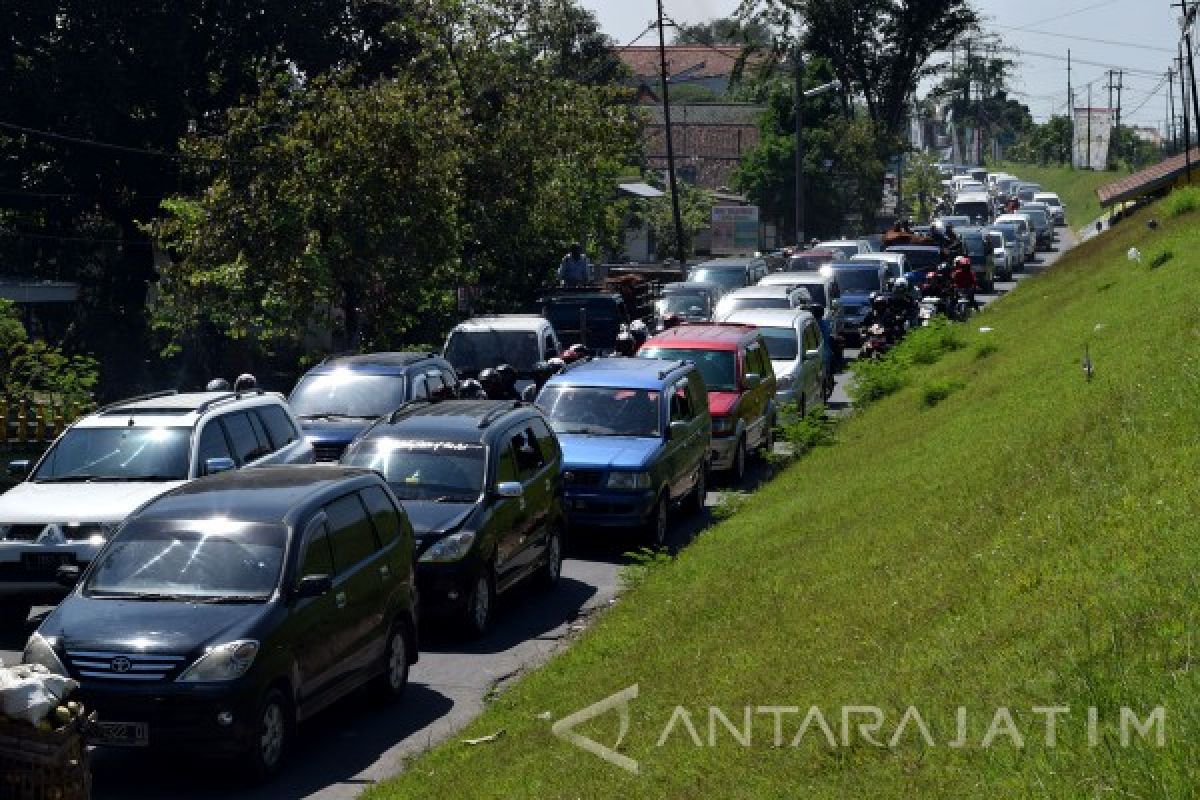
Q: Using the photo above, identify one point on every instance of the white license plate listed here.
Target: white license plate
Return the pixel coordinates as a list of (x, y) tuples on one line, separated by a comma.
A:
[(121, 734)]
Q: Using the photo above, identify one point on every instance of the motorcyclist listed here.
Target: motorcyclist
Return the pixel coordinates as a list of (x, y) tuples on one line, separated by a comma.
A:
[(575, 352), (831, 351), (625, 346), (493, 385), (471, 389), (508, 382), (904, 303), (542, 372), (963, 279), (639, 332), (881, 314), (217, 385)]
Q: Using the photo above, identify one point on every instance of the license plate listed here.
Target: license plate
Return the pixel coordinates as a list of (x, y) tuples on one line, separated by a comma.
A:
[(45, 562), (121, 734)]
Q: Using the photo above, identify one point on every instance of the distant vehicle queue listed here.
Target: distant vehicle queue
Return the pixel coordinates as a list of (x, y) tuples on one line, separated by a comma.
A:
[(198, 552)]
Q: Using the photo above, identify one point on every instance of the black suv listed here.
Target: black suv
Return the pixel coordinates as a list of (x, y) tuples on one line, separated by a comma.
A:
[(227, 610), (481, 482), (339, 397)]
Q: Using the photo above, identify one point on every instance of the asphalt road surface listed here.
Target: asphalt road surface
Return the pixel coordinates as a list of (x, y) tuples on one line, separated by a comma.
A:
[(356, 744)]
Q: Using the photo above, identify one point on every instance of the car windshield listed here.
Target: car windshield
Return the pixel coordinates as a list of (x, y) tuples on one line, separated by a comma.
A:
[(843, 250), (974, 244), (806, 263), (1050, 201), (732, 304), (601, 411), (920, 259), (127, 453), (476, 350), (725, 278), (1009, 232), (717, 367), (420, 469), (859, 279), (975, 211), (208, 560), (782, 344), (343, 393), (689, 305)]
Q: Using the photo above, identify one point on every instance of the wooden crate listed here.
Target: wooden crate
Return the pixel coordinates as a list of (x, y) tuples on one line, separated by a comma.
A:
[(44, 765)]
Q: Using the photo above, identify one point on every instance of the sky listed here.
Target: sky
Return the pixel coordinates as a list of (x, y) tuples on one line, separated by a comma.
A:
[(1139, 36)]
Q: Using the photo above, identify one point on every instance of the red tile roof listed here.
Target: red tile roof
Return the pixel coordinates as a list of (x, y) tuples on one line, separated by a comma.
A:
[(1148, 180), (718, 60)]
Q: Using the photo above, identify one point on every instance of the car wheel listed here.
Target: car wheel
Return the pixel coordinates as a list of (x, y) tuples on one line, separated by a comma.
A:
[(656, 526), (480, 605), (551, 571), (390, 685), (737, 472), (272, 735), (14, 613), (699, 491)]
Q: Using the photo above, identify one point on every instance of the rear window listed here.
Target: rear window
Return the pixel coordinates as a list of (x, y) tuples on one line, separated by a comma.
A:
[(717, 367)]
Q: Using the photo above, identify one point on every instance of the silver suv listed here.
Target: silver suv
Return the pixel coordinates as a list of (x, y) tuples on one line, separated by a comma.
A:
[(111, 462)]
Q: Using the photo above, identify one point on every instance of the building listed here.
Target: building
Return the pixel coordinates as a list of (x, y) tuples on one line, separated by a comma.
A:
[(710, 139), (709, 67)]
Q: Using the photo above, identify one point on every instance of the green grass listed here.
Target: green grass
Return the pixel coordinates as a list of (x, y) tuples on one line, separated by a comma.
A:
[(1030, 541), (1076, 187)]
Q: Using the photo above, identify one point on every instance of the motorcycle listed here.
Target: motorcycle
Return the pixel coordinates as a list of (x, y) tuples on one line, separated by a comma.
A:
[(875, 343), (961, 310), (931, 306)]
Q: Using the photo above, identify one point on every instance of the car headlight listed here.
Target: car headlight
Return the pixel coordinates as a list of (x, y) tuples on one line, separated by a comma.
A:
[(628, 480), (451, 548), (225, 662), (40, 650), (723, 426)]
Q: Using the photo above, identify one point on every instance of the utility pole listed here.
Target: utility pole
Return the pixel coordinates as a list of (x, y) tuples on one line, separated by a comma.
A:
[(798, 58), (1187, 126), (662, 55), (1172, 130), (1120, 83), (1089, 127), (1070, 114)]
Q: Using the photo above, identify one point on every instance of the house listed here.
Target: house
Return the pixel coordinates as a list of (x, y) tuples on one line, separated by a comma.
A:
[(709, 138), (710, 67)]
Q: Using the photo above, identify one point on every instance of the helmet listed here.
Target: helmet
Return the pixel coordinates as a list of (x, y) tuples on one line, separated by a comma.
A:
[(542, 370), (962, 261), (938, 226), (625, 346), (470, 389), (508, 375), (217, 385), (245, 382), (556, 365), (901, 284), (639, 332), (575, 353), (878, 301), (489, 377)]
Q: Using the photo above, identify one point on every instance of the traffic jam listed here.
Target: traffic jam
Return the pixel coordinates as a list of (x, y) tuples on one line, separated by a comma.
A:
[(211, 568)]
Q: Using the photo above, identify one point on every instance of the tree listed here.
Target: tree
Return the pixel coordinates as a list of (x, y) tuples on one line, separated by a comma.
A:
[(725, 31), (879, 49), (695, 212), (34, 371), (922, 185), (1049, 143)]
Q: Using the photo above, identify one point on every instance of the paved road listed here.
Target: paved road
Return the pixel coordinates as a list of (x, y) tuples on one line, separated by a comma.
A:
[(355, 744)]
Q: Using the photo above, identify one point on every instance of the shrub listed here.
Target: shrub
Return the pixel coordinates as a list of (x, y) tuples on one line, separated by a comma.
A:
[(729, 504), (935, 392), (985, 349), (813, 430), (1182, 201), (875, 380), (927, 345)]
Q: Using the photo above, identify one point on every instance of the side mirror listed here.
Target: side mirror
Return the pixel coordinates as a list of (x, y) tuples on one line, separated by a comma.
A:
[(67, 575), (752, 380), (678, 430), (215, 466), (313, 586), (19, 468), (809, 355), (510, 490)]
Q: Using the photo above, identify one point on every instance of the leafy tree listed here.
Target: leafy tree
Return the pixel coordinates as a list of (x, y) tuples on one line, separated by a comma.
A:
[(1049, 143), (695, 213), (922, 185), (36, 371), (725, 31)]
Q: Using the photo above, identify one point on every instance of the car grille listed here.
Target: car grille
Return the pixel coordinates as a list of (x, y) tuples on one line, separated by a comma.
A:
[(122, 666), (583, 478), (328, 452), (78, 533), (24, 533)]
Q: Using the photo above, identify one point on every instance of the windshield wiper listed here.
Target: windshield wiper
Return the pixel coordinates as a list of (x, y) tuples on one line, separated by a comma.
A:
[(330, 415), (133, 478), (79, 478), (230, 598)]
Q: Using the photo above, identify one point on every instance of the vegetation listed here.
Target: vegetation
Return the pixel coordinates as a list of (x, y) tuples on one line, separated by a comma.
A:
[(1030, 544), (876, 379), (32, 370), (1182, 201)]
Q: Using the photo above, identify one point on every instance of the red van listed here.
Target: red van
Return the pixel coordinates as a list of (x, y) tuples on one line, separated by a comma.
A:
[(736, 368)]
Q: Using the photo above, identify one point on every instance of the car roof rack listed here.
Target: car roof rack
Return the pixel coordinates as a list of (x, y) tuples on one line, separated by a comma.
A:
[(679, 364), (223, 397), (408, 407), (139, 398), (499, 411)]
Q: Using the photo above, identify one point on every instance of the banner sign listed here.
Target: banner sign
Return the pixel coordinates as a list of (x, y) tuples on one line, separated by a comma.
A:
[(1093, 130)]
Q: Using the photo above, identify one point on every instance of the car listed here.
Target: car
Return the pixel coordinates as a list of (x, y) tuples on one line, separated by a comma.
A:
[(636, 435), (979, 250), (481, 482), (1043, 225), (810, 260), (591, 316), (112, 461), (736, 368), (894, 262), (845, 248), (975, 205), (1013, 245), (822, 288), (337, 399), (793, 340), (520, 340), (761, 297), (1058, 211), (858, 282), (1026, 231), (1025, 191), (918, 260), (229, 610), (729, 273), (1002, 255), (689, 301)]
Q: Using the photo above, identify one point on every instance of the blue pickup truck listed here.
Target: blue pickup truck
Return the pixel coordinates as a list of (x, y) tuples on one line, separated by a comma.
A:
[(635, 434)]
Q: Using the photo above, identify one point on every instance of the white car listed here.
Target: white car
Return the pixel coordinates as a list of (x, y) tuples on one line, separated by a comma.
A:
[(846, 247), (822, 288), (761, 297), (1028, 235), (110, 463), (793, 340), (1052, 201), (896, 263)]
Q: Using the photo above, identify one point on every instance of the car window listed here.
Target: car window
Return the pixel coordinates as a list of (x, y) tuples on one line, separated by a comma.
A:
[(754, 360), (278, 424), (352, 536), (546, 440), (681, 403), (528, 454), (260, 431), (420, 391), (212, 445), (384, 515), (451, 380), (317, 558), (437, 387), (506, 463), (812, 339), (246, 446)]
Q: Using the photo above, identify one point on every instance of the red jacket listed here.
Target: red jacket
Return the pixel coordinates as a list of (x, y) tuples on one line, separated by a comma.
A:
[(964, 278)]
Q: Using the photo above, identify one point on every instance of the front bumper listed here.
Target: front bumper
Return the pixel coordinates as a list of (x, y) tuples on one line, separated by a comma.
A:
[(27, 569), (608, 509), (445, 587)]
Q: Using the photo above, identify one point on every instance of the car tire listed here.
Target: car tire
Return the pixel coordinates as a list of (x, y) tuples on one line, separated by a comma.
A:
[(550, 572), (699, 492), (737, 471), (272, 736), (656, 525), (389, 686), (481, 605), (14, 613)]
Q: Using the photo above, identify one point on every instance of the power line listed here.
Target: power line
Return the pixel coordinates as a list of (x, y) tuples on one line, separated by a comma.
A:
[(1112, 42), (1055, 57), (80, 239), (78, 140)]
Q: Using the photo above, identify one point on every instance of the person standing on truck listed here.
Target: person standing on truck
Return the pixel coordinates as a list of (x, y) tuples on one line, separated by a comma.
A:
[(575, 269)]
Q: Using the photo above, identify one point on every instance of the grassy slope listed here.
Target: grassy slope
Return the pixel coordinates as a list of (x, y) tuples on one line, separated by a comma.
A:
[(1076, 187), (1030, 541)]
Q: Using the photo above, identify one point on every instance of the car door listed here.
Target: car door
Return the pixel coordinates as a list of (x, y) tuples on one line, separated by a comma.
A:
[(533, 471), (315, 621), (812, 370), (754, 405), (509, 518), (211, 443), (686, 453), (358, 593)]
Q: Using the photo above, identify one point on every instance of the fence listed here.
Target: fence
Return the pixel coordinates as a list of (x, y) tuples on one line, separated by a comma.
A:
[(32, 425)]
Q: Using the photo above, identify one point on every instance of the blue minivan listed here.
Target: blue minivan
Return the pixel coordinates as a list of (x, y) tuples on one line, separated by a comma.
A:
[(635, 435)]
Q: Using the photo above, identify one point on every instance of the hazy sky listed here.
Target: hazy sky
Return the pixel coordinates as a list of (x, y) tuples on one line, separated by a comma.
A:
[(1138, 35)]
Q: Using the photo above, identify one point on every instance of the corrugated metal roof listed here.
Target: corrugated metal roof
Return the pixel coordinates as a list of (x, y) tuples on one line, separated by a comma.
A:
[(1148, 180), (640, 190)]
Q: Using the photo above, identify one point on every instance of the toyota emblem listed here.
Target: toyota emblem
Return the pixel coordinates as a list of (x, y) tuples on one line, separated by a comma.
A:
[(121, 664)]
